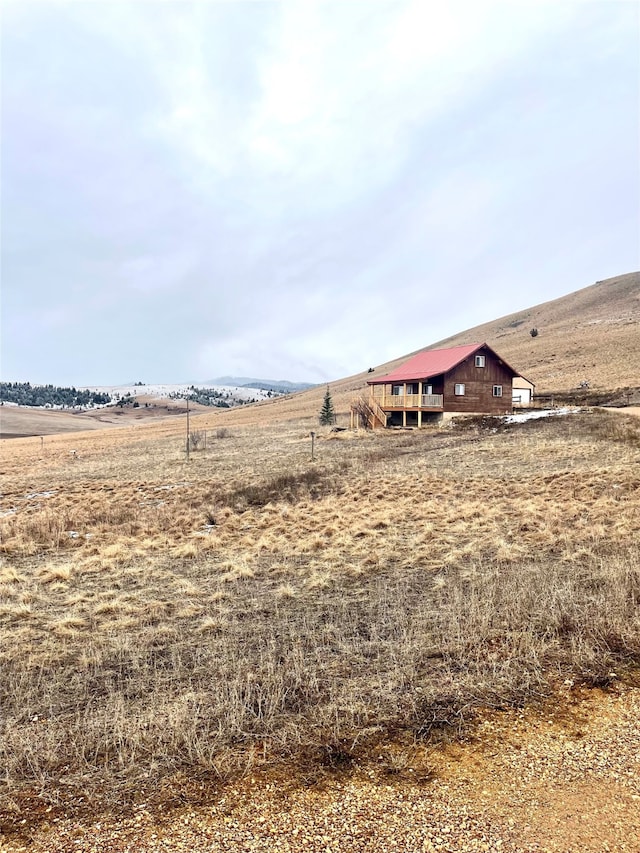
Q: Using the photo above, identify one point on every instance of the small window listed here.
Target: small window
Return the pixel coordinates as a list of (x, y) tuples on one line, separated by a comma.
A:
[(459, 389), (396, 390), (412, 388), (479, 361), (426, 388), (497, 390)]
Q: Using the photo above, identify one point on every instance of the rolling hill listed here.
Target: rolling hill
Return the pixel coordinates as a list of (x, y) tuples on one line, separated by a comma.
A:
[(590, 335)]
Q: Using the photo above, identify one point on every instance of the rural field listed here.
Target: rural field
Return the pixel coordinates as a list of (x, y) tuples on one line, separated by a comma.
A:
[(409, 640), (173, 629)]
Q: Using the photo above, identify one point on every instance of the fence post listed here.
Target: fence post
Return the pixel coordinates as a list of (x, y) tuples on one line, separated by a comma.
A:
[(187, 429)]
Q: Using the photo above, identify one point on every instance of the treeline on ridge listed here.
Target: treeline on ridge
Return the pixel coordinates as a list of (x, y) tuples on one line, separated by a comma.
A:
[(25, 394), (214, 397)]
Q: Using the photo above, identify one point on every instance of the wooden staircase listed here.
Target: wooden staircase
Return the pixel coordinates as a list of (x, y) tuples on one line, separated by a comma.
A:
[(369, 412)]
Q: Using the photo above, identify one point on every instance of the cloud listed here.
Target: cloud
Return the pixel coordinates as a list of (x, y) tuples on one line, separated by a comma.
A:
[(150, 273), (302, 186)]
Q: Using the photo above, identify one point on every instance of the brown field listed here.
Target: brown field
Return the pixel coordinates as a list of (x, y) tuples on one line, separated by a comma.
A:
[(252, 608), (25, 421), (171, 627)]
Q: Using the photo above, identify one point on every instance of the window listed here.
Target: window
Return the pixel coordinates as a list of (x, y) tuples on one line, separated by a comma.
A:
[(427, 389), (479, 361), (396, 390), (459, 389), (412, 388), (497, 390)]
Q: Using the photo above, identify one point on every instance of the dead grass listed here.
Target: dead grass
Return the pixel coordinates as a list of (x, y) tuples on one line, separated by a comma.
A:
[(254, 605)]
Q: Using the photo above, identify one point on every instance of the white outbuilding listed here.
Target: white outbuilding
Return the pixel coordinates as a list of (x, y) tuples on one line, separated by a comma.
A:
[(522, 393)]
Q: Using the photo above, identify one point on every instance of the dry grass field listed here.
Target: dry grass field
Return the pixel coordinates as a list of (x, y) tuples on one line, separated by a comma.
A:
[(21, 421), (171, 625), (251, 607)]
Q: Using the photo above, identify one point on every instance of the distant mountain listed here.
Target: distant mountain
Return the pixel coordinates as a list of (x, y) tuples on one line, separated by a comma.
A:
[(281, 385)]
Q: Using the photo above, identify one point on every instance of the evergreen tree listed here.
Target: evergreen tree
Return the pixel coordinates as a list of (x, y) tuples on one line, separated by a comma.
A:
[(327, 414)]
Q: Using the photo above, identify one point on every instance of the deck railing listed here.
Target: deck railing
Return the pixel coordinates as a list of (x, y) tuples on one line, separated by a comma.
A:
[(409, 401)]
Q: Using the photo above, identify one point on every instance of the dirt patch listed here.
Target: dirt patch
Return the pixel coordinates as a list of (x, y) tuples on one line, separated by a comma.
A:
[(631, 410), (563, 779)]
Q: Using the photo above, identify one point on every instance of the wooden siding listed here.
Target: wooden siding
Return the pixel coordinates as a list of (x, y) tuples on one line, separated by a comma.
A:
[(478, 385)]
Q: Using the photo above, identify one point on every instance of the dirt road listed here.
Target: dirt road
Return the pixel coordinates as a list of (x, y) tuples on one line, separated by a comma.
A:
[(563, 780)]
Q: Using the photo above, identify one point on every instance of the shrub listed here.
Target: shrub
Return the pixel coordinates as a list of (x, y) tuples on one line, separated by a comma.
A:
[(197, 440), (283, 487)]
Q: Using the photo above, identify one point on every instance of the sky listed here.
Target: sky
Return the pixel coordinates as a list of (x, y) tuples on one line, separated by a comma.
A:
[(301, 190)]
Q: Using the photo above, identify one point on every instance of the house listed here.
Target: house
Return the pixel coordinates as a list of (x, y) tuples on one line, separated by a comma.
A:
[(434, 384)]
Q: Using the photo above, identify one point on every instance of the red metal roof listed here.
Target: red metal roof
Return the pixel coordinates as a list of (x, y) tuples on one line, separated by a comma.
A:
[(428, 363)]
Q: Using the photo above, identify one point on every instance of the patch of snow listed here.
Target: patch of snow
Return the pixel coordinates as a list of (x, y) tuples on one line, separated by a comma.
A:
[(534, 414), (165, 392), (232, 394)]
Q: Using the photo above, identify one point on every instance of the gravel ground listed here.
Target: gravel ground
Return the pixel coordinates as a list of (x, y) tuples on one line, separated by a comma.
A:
[(566, 779)]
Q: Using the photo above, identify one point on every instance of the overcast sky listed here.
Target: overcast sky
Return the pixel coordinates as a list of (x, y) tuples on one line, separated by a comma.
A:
[(302, 190)]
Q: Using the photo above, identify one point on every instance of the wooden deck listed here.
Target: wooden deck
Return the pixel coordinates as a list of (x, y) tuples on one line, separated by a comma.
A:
[(430, 402)]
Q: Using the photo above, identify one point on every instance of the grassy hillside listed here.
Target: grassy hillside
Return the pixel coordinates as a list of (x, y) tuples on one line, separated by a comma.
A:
[(591, 335)]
